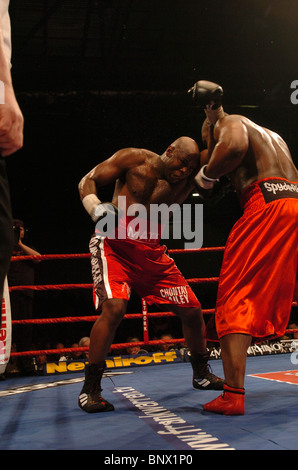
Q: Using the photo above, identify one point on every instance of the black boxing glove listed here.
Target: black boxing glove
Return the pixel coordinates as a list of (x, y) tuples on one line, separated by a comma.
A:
[(204, 92)]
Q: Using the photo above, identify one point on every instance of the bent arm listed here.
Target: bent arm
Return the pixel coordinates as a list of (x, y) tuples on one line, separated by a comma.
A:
[(105, 173), (108, 171), (230, 149), (29, 251)]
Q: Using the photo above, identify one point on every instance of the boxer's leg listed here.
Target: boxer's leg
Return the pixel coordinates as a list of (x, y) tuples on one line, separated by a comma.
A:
[(101, 338), (104, 329), (193, 326), (234, 352)]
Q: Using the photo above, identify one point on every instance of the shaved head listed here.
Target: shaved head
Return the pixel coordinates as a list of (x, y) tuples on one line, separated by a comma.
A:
[(181, 158), (186, 145)]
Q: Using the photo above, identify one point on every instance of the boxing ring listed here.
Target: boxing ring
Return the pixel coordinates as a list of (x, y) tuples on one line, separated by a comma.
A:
[(157, 411)]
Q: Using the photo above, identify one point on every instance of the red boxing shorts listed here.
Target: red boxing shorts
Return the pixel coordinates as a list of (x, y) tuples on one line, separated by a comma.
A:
[(121, 265), (258, 278)]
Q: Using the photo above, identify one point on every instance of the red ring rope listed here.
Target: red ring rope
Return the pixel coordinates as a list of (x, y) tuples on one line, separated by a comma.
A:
[(145, 315)]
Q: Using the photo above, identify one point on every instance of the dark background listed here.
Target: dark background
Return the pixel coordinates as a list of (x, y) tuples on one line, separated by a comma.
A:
[(93, 76)]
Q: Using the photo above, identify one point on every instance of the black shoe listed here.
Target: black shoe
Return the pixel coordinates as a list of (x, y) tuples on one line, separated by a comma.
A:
[(90, 399), (203, 379), (94, 403), (208, 382)]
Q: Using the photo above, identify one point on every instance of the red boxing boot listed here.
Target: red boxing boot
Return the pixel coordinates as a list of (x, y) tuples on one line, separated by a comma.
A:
[(230, 402)]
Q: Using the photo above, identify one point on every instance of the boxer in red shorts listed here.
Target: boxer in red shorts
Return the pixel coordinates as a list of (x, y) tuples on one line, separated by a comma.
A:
[(121, 263), (258, 279)]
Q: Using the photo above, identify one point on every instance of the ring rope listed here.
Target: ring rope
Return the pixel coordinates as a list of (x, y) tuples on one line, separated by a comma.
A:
[(87, 255), (112, 347), (155, 342), (145, 315), (91, 318), (90, 286)]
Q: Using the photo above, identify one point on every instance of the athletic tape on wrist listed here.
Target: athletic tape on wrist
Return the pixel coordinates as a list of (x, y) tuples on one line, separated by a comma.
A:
[(202, 171), (90, 202), (203, 180)]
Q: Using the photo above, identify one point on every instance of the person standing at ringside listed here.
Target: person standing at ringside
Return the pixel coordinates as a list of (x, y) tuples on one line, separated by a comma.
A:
[(11, 139), (139, 262), (258, 278)]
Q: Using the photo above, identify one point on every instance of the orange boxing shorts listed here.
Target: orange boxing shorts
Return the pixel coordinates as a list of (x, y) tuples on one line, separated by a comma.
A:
[(121, 265), (258, 278)]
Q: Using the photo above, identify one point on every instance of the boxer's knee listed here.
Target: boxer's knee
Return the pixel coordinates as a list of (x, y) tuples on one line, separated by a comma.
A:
[(190, 314), (113, 310)]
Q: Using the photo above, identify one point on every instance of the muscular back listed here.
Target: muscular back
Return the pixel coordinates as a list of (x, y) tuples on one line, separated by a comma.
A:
[(263, 153)]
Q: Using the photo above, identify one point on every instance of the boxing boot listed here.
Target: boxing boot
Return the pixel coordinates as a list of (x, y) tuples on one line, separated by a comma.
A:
[(230, 402), (90, 399), (204, 92), (203, 379)]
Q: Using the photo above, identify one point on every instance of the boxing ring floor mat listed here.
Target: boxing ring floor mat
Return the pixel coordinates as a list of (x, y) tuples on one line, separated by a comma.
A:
[(156, 409)]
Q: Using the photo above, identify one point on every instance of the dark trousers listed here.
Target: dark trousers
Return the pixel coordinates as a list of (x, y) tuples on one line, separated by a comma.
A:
[(21, 309), (6, 230)]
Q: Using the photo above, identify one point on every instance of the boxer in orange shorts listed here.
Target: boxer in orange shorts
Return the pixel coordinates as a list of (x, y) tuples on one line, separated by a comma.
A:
[(258, 279), (137, 261)]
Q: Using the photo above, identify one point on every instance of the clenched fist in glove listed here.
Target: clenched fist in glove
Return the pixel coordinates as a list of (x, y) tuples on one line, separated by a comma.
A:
[(208, 95)]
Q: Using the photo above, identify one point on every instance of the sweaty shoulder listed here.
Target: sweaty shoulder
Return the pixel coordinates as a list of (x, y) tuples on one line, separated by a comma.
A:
[(131, 156), (267, 156), (232, 120), (127, 158), (231, 123)]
